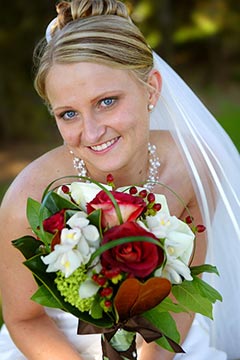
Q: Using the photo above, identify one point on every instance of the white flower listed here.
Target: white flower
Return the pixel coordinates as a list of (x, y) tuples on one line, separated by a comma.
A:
[(70, 237), (178, 245), (88, 288), (76, 246), (63, 258), (172, 271), (78, 220), (161, 199), (82, 193), (89, 235)]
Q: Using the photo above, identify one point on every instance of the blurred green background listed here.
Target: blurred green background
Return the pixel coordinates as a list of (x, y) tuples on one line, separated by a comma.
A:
[(198, 38)]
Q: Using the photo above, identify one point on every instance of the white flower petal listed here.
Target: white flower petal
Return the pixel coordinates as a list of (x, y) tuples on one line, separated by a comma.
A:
[(88, 288), (91, 233), (70, 262), (70, 236), (83, 193), (175, 269), (83, 246), (78, 220)]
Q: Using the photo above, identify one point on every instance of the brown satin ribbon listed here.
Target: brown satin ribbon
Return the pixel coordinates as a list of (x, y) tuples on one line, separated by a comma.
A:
[(136, 324)]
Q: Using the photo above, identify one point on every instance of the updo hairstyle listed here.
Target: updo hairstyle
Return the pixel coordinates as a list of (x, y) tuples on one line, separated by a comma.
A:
[(97, 31)]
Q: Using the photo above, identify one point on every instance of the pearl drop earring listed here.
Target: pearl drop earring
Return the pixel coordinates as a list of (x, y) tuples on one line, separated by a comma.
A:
[(150, 107)]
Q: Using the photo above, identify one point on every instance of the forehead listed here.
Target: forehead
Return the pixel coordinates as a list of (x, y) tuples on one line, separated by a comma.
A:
[(83, 74), (69, 82)]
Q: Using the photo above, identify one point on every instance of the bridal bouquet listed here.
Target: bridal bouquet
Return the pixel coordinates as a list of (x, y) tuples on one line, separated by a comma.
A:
[(112, 258)]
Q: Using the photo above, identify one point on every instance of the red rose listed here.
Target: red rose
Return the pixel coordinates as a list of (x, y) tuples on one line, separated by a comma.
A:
[(54, 223), (138, 258), (130, 206)]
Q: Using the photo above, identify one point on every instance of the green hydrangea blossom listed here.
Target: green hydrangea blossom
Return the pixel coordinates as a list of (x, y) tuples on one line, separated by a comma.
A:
[(69, 287)]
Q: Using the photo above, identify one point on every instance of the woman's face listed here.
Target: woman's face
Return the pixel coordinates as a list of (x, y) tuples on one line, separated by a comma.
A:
[(102, 114)]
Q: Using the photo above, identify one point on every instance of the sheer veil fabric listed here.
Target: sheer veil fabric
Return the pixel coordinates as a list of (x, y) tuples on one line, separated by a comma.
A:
[(207, 149)]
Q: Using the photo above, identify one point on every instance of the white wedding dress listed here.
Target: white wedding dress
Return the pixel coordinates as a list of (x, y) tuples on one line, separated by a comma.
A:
[(196, 344)]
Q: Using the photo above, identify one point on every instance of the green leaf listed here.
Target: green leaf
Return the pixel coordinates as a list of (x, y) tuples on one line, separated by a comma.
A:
[(95, 219), (96, 309), (166, 324), (196, 270), (44, 297), (187, 295), (33, 210), (168, 305), (28, 245), (207, 290), (54, 203)]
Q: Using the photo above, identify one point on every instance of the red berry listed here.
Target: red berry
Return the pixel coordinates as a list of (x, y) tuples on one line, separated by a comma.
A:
[(143, 193), (111, 273), (133, 190), (189, 219), (108, 303), (110, 178), (101, 280), (95, 277), (200, 228), (106, 292), (157, 207), (151, 197), (65, 189)]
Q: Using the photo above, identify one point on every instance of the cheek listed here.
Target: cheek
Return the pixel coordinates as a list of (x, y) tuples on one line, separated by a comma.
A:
[(135, 117), (70, 135)]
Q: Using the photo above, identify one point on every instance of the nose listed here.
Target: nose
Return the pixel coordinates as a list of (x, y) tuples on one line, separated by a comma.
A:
[(93, 129)]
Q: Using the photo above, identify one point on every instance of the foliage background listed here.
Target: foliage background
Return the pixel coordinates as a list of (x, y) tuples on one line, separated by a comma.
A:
[(198, 38)]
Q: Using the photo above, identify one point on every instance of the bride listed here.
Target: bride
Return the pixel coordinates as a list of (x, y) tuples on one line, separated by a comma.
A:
[(120, 109)]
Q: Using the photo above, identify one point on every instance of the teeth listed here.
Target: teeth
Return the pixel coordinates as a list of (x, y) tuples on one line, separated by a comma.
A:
[(103, 146)]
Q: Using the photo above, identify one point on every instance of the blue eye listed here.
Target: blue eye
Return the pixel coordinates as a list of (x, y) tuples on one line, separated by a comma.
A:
[(68, 115), (107, 102)]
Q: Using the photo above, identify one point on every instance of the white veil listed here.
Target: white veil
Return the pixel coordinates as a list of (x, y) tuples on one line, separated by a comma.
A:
[(207, 148)]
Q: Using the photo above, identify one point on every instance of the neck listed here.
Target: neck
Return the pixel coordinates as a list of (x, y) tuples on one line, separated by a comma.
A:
[(135, 173)]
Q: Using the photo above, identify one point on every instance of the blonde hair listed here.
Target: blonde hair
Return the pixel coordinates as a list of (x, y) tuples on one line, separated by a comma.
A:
[(97, 31)]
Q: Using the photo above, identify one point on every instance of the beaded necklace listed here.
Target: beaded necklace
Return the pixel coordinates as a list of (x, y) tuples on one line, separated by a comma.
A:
[(154, 165)]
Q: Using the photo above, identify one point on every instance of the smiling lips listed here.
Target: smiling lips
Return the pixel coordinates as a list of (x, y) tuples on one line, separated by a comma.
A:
[(104, 146)]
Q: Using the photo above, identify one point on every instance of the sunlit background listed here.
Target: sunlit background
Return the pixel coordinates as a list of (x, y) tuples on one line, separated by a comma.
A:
[(198, 38)]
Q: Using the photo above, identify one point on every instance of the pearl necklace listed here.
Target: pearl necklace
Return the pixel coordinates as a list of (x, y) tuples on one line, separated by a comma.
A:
[(154, 165)]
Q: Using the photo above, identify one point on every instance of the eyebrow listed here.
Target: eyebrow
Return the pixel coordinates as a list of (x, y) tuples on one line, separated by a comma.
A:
[(103, 95)]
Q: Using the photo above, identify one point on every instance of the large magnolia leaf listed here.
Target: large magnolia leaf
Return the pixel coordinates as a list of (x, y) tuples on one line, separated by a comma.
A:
[(134, 297), (54, 203), (28, 245), (44, 297)]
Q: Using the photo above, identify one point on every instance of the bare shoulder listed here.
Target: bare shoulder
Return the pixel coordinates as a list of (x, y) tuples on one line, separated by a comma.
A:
[(17, 283), (33, 179)]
